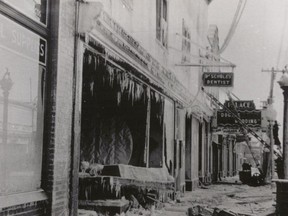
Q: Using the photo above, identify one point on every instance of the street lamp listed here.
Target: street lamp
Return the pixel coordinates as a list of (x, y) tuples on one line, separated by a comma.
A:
[(271, 117), (282, 184), (283, 82), (6, 85)]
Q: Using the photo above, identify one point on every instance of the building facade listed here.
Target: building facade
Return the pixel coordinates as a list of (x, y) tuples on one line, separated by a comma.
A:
[(37, 71), (105, 83)]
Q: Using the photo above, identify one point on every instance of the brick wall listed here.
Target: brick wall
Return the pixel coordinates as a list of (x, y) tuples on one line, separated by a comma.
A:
[(57, 164)]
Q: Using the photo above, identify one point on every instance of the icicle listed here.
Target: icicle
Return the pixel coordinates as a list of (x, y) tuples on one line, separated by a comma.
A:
[(129, 88), (118, 188), (126, 86), (110, 75), (92, 87), (101, 180), (89, 59), (118, 98), (157, 97), (139, 91), (102, 183), (118, 77), (95, 63), (111, 184), (132, 91)]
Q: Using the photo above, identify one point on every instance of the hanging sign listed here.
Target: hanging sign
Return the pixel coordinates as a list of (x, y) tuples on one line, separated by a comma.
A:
[(230, 130), (240, 105), (217, 79), (250, 118)]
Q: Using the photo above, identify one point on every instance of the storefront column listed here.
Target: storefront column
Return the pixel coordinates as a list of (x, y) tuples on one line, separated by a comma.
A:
[(147, 135)]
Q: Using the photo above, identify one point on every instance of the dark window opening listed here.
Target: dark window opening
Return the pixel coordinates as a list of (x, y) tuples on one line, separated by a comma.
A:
[(161, 22), (200, 148), (114, 110), (156, 130), (188, 146)]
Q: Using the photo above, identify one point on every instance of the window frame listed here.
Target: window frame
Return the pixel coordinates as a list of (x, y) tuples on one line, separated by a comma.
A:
[(42, 30), (162, 22), (24, 20)]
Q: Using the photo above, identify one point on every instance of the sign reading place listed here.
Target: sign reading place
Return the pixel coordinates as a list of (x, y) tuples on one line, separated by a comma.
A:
[(217, 79), (241, 105)]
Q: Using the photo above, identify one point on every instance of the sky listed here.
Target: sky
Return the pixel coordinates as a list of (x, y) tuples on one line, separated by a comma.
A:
[(254, 46)]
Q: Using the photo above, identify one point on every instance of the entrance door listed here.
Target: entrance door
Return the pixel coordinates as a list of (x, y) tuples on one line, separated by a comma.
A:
[(188, 149), (215, 162)]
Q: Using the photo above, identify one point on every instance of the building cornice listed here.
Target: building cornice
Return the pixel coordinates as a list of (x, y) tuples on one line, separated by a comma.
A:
[(102, 27)]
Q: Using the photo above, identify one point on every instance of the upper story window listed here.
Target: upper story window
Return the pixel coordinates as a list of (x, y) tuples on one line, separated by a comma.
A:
[(186, 44), (35, 9), (161, 22)]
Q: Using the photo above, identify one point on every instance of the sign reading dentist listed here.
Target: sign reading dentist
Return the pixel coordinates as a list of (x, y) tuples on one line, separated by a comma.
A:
[(215, 79)]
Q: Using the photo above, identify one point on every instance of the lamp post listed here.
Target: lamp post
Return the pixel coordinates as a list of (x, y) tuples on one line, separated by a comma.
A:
[(282, 184), (6, 85), (271, 117), (283, 82)]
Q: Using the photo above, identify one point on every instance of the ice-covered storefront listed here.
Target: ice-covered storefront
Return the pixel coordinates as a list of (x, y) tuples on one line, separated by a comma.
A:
[(132, 117)]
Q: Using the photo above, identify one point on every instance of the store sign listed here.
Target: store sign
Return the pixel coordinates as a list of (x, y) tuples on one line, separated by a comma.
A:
[(241, 105), (227, 130), (19, 40), (113, 32), (250, 118), (216, 79)]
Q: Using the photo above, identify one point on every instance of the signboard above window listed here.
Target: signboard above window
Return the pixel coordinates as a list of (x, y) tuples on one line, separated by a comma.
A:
[(216, 79)]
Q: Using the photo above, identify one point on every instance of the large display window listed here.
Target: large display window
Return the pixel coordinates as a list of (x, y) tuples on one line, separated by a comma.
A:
[(22, 72), (113, 114)]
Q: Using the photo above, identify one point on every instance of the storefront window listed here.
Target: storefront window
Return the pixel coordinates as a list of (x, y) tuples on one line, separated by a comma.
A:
[(22, 69), (35, 9), (113, 114)]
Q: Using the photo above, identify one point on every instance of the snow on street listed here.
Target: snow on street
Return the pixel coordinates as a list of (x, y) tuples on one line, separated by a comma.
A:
[(230, 195)]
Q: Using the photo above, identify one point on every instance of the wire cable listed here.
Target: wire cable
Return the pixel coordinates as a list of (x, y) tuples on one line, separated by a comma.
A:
[(201, 47), (273, 74), (235, 22)]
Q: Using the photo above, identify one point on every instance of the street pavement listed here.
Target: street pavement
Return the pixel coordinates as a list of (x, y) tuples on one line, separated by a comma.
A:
[(230, 195)]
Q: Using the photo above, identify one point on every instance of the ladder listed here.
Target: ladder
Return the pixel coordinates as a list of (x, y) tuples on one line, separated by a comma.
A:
[(241, 123), (245, 133)]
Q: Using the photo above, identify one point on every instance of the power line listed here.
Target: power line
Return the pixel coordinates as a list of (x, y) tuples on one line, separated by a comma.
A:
[(273, 72), (282, 36), (231, 27), (201, 47), (236, 19)]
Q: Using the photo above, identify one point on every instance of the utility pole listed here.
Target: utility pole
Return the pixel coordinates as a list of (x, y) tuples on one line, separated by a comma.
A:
[(271, 119)]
